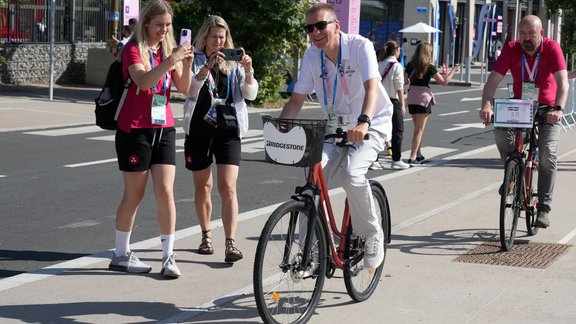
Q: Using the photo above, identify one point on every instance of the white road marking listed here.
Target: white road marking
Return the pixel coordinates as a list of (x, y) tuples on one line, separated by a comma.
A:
[(107, 138), (454, 113), (67, 131), (464, 126), (471, 99), (457, 91), (77, 165), (568, 237)]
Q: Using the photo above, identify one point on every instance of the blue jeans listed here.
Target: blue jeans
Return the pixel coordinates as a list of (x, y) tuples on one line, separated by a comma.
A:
[(548, 136)]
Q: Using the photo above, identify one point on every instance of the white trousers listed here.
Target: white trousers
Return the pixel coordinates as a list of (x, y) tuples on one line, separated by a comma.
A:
[(347, 167)]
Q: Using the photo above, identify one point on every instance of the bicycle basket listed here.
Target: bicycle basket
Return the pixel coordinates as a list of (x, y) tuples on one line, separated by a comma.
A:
[(294, 142)]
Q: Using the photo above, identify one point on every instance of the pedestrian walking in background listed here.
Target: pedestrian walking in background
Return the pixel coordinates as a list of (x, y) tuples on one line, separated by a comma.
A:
[(146, 138), (393, 81), (419, 72), (215, 117)]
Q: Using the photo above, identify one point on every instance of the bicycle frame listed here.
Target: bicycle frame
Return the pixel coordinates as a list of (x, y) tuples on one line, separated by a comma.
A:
[(528, 164), (316, 182)]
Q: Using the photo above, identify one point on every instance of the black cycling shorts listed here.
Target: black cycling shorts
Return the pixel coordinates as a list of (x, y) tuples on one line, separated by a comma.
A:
[(200, 152), (143, 147)]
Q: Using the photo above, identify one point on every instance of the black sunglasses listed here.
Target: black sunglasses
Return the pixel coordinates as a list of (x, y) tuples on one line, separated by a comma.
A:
[(321, 25)]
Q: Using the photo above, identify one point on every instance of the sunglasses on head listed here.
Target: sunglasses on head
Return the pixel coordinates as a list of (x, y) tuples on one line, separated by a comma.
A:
[(321, 25)]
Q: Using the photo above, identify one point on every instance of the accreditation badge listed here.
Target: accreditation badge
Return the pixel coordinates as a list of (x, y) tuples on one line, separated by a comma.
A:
[(346, 121), (159, 109), (332, 120), (529, 91)]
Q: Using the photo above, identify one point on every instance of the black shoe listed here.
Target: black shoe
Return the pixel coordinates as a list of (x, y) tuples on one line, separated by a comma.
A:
[(542, 219)]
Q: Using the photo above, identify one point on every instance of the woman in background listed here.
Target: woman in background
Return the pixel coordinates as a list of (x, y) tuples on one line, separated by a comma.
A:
[(419, 72)]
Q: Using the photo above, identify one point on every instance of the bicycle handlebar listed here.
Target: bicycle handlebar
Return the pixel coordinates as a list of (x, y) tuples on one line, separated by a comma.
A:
[(342, 134)]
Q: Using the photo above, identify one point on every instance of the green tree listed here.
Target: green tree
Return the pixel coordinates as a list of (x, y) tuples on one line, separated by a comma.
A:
[(268, 31)]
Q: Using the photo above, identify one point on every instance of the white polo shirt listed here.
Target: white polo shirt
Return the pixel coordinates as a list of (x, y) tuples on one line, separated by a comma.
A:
[(360, 64)]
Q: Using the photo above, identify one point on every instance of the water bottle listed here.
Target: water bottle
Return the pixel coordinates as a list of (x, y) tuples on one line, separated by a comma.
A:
[(536, 155)]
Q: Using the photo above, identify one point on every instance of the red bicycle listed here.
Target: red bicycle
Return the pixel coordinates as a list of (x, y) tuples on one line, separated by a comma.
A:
[(519, 188), (301, 245)]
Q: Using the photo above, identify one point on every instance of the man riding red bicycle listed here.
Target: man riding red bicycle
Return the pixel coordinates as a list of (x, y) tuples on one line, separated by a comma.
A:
[(539, 73), (343, 70)]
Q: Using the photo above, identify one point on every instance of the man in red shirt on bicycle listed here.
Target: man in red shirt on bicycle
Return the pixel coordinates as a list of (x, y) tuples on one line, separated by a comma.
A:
[(539, 72)]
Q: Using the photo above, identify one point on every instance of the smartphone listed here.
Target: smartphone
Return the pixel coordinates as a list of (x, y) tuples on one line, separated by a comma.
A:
[(232, 54), (186, 35)]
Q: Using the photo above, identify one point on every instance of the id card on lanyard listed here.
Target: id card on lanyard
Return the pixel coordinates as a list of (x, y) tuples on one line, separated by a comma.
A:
[(159, 101), (529, 89), (335, 120)]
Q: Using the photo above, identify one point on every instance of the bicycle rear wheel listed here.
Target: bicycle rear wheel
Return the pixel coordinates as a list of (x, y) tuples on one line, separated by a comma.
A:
[(360, 283), (532, 199), (510, 202), (284, 292)]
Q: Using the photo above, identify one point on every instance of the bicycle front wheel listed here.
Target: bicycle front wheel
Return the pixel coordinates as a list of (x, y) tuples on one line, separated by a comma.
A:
[(360, 283), (287, 288), (510, 202)]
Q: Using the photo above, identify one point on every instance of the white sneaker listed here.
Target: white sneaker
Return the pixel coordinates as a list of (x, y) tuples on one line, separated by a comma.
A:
[(376, 166), (374, 251), (128, 263), (398, 165), (169, 267)]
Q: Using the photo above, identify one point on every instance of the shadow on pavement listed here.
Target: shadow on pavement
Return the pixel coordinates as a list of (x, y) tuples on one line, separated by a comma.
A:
[(74, 312)]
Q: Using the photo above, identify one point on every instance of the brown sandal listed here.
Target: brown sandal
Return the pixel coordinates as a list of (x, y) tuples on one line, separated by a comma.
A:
[(232, 252), (206, 245)]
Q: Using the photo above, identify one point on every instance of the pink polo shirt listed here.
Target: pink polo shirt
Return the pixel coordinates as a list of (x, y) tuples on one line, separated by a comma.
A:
[(136, 112), (551, 61)]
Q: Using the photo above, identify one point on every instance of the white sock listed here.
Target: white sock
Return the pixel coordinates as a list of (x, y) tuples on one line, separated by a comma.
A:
[(122, 243), (167, 244)]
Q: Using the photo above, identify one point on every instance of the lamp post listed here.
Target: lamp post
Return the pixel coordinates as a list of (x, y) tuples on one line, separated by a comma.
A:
[(114, 17)]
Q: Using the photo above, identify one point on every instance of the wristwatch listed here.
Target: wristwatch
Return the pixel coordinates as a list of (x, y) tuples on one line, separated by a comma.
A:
[(558, 108), (364, 119)]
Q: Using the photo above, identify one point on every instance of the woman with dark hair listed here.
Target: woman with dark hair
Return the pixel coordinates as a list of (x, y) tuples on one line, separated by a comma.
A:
[(146, 137), (393, 81), (419, 72), (218, 85)]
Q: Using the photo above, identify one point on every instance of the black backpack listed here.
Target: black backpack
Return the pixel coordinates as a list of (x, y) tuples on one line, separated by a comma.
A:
[(111, 98)]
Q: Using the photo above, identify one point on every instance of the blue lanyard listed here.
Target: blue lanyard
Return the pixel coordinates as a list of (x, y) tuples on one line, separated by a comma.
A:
[(335, 79), (212, 84), (152, 64)]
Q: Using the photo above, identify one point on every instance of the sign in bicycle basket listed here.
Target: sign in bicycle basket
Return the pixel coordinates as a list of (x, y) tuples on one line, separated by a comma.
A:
[(295, 142), (513, 113)]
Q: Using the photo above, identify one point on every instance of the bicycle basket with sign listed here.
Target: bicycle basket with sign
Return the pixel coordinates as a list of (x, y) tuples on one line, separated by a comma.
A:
[(294, 142)]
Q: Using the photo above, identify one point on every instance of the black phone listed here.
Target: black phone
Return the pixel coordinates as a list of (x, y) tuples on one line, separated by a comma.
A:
[(232, 54)]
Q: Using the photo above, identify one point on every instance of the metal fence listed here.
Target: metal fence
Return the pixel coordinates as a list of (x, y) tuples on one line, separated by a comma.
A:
[(76, 21)]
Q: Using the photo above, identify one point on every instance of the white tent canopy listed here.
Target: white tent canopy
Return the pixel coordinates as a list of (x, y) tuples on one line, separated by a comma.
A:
[(420, 28)]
